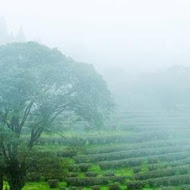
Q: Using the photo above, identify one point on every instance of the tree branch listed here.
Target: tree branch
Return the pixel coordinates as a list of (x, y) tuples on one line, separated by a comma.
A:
[(34, 133), (59, 112), (4, 117), (26, 114)]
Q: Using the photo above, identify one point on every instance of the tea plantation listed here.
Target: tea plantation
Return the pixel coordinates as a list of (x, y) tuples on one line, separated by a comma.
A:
[(138, 150)]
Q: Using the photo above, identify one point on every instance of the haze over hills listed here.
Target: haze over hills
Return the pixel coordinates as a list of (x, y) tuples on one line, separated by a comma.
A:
[(164, 89), (167, 89), (8, 37)]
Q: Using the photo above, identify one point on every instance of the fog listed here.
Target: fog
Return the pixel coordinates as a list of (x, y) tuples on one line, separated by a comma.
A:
[(132, 36), (63, 125)]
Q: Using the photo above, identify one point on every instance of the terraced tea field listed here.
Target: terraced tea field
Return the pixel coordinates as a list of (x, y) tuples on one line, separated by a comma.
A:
[(139, 150)]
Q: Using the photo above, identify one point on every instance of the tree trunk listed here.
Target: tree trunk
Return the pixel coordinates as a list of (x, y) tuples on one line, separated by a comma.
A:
[(16, 175), (16, 182), (1, 181)]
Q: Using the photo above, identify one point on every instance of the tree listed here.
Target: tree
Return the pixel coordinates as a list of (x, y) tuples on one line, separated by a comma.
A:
[(38, 84), (1, 177)]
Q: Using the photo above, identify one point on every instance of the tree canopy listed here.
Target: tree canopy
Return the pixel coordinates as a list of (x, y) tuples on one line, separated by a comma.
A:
[(37, 85)]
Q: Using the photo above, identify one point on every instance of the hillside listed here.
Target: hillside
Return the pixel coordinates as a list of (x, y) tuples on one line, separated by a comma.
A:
[(142, 150)]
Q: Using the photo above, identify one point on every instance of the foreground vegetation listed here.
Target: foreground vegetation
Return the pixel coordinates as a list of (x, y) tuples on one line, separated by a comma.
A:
[(155, 158)]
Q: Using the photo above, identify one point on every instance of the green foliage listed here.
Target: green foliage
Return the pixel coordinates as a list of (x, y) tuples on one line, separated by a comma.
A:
[(96, 187), (124, 172), (37, 186), (95, 168), (39, 85), (46, 166), (104, 188), (178, 170), (144, 167), (81, 174), (47, 83), (68, 152), (91, 174), (91, 181), (114, 186), (53, 183), (158, 182)]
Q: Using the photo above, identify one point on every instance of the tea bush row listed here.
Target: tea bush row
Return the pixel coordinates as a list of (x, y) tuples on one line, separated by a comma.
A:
[(129, 154)]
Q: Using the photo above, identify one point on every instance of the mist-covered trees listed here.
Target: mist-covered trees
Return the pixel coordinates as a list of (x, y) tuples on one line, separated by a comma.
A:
[(164, 90), (7, 37), (37, 85)]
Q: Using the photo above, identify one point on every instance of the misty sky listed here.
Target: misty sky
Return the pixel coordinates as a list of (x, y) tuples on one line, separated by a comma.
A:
[(135, 35)]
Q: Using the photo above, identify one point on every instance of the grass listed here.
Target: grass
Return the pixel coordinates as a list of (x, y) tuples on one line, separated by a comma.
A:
[(38, 186), (5, 185), (41, 186), (104, 188)]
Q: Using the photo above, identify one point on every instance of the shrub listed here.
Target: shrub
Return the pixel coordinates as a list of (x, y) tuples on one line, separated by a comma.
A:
[(46, 166), (33, 176), (109, 174), (163, 172), (73, 168), (67, 153), (167, 188), (84, 167), (53, 183), (72, 174), (74, 188), (114, 187), (140, 160), (96, 187), (90, 181), (185, 187), (162, 181), (91, 174)]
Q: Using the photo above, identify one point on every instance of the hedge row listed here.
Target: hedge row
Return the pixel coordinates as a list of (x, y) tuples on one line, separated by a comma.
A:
[(138, 161), (75, 141), (182, 187), (146, 136), (156, 166), (158, 182), (80, 167), (124, 147), (129, 154), (142, 137), (90, 181), (163, 172), (87, 174), (67, 153)]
